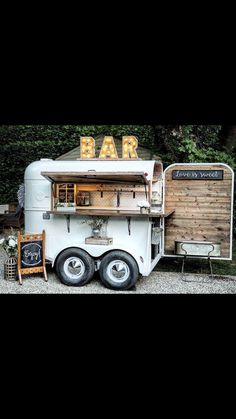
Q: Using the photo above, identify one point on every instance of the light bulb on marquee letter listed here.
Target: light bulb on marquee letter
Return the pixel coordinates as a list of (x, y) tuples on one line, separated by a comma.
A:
[(129, 147), (87, 148), (108, 149)]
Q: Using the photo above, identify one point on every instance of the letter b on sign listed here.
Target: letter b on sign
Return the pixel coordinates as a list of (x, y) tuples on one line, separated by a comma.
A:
[(87, 148)]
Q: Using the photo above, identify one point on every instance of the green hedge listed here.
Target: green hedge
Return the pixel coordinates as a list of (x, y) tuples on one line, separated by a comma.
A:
[(23, 144), (20, 145)]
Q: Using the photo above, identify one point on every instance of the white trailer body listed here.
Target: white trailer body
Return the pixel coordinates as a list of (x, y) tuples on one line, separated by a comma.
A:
[(191, 214), (130, 233)]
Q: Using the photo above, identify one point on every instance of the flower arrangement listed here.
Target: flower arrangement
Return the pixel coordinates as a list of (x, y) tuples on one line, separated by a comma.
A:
[(143, 204), (95, 222), (9, 244)]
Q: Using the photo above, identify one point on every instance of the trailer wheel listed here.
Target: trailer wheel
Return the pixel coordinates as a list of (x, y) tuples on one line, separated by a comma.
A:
[(75, 267), (118, 271)]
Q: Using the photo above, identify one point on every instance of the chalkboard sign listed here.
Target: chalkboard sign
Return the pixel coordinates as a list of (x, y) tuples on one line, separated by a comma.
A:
[(198, 174), (31, 255)]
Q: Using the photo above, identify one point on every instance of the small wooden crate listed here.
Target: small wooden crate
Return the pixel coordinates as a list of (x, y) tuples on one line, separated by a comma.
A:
[(99, 240)]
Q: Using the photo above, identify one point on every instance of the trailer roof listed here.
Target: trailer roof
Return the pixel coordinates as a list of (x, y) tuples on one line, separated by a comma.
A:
[(96, 177)]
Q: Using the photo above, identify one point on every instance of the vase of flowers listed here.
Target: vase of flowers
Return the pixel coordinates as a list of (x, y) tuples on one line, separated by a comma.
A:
[(9, 244), (96, 223)]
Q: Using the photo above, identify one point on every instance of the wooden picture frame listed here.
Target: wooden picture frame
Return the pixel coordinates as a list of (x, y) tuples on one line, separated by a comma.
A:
[(31, 255)]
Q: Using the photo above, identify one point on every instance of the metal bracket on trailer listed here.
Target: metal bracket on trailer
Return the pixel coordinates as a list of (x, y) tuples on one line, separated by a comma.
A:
[(68, 222), (129, 222)]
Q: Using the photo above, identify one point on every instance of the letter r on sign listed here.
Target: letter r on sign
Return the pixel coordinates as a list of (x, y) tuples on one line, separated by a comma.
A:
[(129, 147)]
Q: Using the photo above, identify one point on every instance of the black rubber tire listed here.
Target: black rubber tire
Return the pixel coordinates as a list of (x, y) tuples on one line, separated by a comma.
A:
[(86, 259), (133, 271)]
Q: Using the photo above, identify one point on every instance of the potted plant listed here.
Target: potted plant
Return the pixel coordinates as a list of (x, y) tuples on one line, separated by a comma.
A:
[(60, 206), (71, 207), (65, 207)]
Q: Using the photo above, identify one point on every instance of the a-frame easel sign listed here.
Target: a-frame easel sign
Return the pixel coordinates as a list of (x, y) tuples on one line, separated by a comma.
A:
[(31, 255)]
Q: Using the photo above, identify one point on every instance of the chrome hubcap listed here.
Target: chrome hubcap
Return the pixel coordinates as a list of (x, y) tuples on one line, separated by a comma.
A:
[(118, 271), (74, 267)]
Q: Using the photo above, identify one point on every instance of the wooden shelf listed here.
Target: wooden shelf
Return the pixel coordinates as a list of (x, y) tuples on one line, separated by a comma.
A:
[(114, 212), (110, 213)]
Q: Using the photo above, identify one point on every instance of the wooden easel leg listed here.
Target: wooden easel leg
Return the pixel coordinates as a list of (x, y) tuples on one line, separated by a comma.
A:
[(45, 274)]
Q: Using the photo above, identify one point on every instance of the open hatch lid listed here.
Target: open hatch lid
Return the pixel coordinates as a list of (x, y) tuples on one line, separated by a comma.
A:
[(96, 177)]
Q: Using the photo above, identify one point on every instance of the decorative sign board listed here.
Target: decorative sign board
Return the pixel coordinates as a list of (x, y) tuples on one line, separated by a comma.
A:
[(198, 174), (31, 255), (108, 150)]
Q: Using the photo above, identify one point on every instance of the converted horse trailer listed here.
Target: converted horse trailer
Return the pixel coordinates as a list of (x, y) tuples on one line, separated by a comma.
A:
[(147, 213)]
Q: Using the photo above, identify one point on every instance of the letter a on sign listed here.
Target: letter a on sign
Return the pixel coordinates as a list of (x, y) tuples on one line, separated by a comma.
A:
[(87, 148), (108, 150), (129, 147)]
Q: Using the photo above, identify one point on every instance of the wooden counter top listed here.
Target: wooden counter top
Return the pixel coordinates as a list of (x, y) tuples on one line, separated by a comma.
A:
[(110, 212)]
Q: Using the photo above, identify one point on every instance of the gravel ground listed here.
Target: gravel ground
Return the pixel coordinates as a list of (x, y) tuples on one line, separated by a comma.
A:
[(156, 283)]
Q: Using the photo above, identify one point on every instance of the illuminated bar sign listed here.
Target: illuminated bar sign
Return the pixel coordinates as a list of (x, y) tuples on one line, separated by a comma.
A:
[(108, 150), (197, 174)]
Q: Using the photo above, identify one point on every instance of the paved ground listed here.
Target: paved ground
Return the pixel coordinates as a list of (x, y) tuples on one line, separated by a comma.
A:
[(156, 283)]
